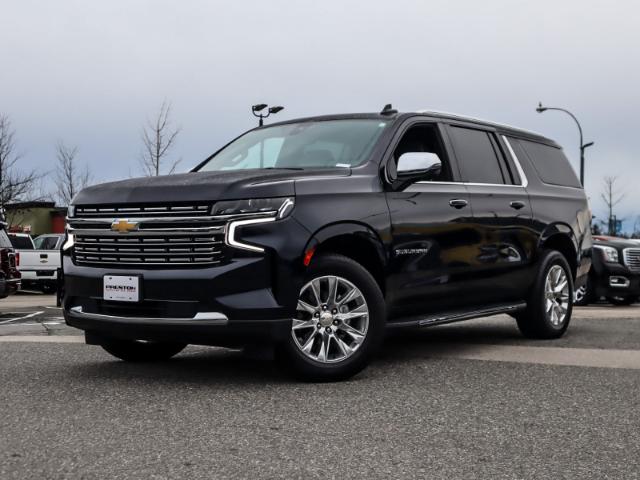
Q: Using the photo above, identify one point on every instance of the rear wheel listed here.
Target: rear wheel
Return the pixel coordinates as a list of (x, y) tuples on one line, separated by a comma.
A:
[(549, 306), (339, 321), (140, 351)]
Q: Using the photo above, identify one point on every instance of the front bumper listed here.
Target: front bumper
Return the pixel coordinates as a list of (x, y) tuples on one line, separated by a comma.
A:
[(212, 328), (255, 293), (611, 279)]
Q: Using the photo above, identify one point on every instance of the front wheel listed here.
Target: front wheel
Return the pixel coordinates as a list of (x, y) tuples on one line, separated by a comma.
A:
[(584, 295), (549, 305), (339, 321), (139, 351)]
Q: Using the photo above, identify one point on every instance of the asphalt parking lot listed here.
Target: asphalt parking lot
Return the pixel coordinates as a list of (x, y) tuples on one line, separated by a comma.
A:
[(469, 400)]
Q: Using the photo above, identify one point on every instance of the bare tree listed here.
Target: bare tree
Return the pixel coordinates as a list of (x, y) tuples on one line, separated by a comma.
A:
[(15, 186), (611, 197), (158, 137), (70, 177)]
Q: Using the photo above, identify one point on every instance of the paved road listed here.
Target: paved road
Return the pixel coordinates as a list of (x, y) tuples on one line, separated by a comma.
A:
[(471, 400)]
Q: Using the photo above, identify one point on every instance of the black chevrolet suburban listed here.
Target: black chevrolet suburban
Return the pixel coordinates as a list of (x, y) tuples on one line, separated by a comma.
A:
[(614, 274), (318, 235)]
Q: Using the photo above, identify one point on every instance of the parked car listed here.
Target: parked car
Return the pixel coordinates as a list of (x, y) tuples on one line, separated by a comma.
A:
[(317, 235), (39, 260), (615, 272), (9, 274)]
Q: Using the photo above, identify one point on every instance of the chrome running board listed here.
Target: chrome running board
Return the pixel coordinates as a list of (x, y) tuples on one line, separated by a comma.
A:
[(456, 316)]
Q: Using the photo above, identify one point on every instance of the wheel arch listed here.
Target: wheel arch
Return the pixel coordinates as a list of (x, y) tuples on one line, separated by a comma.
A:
[(560, 237), (353, 240)]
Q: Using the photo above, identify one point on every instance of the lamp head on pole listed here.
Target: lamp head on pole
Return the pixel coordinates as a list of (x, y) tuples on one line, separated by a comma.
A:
[(540, 108)]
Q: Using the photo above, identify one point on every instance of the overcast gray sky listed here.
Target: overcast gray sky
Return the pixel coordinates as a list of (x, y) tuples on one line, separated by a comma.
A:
[(91, 73)]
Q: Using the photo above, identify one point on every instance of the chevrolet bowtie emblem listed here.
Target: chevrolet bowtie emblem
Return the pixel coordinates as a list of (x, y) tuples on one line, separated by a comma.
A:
[(123, 225)]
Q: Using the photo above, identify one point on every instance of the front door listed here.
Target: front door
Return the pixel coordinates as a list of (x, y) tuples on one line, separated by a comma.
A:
[(431, 233)]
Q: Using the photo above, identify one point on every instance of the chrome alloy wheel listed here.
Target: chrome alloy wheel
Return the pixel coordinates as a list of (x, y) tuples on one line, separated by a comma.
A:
[(556, 295), (579, 294), (332, 318)]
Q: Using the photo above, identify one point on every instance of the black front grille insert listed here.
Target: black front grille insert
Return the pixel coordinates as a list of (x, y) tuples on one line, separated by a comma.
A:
[(128, 211), (176, 248)]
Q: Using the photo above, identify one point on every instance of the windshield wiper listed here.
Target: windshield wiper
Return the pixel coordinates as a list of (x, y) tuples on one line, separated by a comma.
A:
[(282, 168)]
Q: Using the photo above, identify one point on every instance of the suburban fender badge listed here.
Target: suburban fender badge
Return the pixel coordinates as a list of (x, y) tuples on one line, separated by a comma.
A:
[(123, 225), (411, 251)]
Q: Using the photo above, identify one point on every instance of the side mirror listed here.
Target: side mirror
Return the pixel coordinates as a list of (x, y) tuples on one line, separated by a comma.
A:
[(425, 165)]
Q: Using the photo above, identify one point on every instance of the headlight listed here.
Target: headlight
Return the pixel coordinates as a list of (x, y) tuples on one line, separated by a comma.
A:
[(277, 208), (280, 207), (71, 210), (610, 254), (69, 241)]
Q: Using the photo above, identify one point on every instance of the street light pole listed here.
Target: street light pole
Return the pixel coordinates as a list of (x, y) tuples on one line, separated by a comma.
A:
[(583, 146)]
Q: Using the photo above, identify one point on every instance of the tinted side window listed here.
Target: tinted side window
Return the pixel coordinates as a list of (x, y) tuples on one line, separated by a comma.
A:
[(552, 165), (21, 243), (45, 243), (476, 156)]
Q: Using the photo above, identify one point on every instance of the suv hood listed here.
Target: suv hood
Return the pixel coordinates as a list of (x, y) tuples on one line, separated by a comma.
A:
[(202, 186), (615, 242)]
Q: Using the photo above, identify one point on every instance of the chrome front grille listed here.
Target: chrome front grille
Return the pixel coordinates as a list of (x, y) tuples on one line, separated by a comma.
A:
[(631, 257), (147, 235), (142, 211), (150, 249)]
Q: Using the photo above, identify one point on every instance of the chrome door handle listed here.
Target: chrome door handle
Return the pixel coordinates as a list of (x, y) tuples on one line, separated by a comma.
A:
[(517, 204), (458, 203)]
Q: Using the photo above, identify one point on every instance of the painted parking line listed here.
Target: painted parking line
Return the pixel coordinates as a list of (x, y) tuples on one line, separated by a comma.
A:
[(21, 316), (42, 339), (577, 357)]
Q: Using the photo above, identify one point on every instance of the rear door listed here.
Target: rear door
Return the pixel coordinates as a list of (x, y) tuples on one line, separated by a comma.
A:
[(502, 213)]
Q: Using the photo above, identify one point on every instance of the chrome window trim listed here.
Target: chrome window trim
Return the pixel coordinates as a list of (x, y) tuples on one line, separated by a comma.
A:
[(524, 181), (470, 184)]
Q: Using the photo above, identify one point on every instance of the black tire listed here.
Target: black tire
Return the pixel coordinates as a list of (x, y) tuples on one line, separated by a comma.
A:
[(586, 296), (534, 321), (138, 351), (308, 369), (622, 300)]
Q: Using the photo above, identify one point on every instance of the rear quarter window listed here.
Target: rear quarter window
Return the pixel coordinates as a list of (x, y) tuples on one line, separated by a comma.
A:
[(21, 243), (551, 164)]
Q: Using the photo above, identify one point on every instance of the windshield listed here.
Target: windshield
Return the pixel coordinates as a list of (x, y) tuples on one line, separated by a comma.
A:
[(319, 144)]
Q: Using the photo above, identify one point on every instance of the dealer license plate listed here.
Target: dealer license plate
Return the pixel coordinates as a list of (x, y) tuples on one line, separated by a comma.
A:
[(122, 288)]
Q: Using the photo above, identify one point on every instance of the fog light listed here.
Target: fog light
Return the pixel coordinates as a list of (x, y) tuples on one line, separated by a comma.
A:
[(619, 282)]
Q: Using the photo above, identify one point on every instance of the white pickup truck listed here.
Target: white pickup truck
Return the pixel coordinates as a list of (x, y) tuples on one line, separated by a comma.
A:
[(38, 260)]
